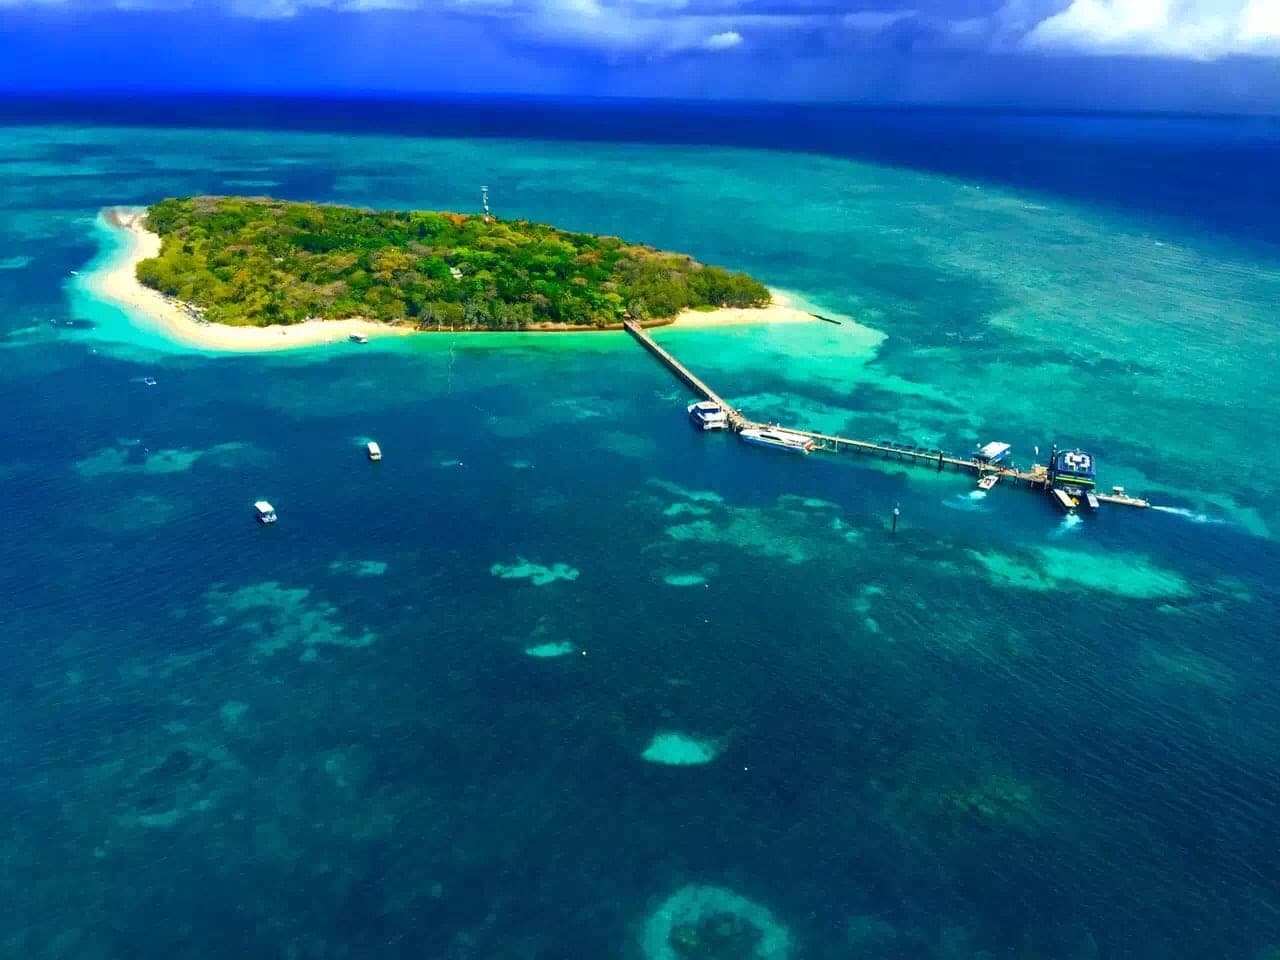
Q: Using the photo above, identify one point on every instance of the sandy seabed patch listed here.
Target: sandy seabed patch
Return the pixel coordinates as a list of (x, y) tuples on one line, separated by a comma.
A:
[(1054, 568), (536, 573), (703, 915), (358, 568), (278, 617), (680, 750), (551, 650)]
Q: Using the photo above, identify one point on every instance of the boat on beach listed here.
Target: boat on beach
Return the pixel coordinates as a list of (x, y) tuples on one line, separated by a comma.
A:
[(708, 415), (358, 338), (778, 439)]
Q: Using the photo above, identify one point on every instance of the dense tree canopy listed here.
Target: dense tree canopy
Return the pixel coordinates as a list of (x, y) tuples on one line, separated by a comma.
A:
[(257, 262)]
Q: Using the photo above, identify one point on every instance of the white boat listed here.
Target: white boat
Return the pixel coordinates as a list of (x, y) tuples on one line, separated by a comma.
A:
[(358, 338), (265, 511), (375, 451), (988, 481), (708, 415), (780, 439)]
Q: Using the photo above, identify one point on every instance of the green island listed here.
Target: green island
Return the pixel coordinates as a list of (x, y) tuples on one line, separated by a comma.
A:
[(257, 262)]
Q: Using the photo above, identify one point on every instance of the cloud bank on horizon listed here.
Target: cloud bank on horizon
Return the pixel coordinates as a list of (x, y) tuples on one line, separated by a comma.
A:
[(1190, 29), (1197, 55)]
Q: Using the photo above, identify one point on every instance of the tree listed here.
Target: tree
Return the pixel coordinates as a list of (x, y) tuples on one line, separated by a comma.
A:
[(260, 261)]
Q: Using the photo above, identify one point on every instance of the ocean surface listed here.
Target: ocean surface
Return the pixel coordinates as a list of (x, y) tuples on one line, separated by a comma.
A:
[(560, 677)]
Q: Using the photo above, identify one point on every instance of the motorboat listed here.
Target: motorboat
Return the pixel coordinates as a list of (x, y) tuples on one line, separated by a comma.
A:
[(778, 439), (375, 451), (265, 511)]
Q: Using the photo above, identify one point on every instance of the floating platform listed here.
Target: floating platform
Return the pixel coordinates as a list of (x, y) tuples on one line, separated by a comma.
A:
[(1064, 499)]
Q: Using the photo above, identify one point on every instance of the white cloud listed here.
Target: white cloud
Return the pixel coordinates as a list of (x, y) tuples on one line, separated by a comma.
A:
[(1195, 29), (275, 9), (644, 27), (1189, 29), (726, 40), (872, 21)]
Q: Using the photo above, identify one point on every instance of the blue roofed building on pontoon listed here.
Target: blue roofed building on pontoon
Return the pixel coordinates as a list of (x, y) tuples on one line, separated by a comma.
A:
[(992, 453), (1071, 469)]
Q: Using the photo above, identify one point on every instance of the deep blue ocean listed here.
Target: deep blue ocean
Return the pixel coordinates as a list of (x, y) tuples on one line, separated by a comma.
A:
[(560, 677)]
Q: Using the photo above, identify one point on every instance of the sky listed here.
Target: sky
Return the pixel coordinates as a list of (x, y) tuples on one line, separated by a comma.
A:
[(1196, 55)]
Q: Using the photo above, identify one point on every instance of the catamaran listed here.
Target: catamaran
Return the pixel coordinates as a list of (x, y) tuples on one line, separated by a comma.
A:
[(708, 415), (780, 439)]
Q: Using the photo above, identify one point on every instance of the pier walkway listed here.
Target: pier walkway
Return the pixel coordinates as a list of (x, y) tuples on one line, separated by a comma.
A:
[(1036, 478), (736, 420)]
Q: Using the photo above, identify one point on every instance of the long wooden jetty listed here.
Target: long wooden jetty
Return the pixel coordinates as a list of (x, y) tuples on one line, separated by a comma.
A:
[(736, 420), (1035, 478)]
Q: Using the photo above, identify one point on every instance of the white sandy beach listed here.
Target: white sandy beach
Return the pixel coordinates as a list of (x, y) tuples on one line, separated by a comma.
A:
[(117, 283), (783, 309)]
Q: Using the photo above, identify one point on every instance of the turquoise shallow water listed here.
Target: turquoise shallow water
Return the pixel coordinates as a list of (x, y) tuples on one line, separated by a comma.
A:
[(562, 678)]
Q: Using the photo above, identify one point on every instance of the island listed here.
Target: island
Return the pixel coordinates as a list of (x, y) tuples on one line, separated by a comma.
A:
[(253, 273)]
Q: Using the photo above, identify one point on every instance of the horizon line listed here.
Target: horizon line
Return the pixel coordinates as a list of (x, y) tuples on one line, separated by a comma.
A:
[(392, 97)]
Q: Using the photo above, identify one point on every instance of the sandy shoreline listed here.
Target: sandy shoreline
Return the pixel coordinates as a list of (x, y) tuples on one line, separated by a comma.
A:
[(117, 283)]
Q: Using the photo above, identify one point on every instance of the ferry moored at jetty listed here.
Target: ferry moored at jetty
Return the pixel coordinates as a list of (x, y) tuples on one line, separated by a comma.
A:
[(708, 415), (778, 439)]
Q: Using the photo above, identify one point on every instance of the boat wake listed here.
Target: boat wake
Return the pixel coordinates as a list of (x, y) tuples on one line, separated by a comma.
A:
[(1069, 523), (972, 501), (1191, 515)]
